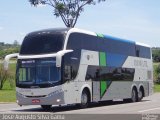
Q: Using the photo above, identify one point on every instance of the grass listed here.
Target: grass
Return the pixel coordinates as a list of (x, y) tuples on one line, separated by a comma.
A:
[(156, 87), (157, 63), (8, 94), (155, 75)]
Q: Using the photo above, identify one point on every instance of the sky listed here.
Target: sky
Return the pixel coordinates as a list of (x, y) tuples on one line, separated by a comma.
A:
[(136, 20)]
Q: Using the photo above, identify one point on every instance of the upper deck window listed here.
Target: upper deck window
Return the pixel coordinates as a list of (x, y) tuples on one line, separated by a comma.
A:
[(42, 43)]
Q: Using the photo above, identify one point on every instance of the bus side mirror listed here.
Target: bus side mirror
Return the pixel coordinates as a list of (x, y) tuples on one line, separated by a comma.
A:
[(7, 58), (59, 56)]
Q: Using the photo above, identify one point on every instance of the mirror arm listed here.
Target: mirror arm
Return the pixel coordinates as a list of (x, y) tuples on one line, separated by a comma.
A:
[(7, 58), (59, 56)]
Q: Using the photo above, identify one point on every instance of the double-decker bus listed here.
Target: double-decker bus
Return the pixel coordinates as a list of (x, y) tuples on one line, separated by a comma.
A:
[(73, 66)]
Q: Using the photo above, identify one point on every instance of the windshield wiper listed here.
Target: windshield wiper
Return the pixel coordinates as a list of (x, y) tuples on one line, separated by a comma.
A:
[(50, 82)]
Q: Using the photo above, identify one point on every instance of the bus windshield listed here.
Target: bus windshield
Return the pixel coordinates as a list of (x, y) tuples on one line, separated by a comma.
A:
[(37, 72), (43, 43)]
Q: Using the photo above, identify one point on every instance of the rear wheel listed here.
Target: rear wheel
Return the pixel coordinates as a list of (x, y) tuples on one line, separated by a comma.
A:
[(134, 95), (46, 107), (140, 95)]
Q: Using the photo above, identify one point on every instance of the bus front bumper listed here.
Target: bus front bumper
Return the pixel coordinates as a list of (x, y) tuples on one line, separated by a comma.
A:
[(53, 99)]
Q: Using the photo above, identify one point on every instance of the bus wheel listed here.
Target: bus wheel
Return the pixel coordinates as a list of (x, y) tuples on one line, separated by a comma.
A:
[(84, 99), (46, 107), (140, 95), (134, 95)]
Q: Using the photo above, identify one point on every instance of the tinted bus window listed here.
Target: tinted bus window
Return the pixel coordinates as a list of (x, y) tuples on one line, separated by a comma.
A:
[(42, 44), (118, 46), (78, 41), (144, 52), (74, 42)]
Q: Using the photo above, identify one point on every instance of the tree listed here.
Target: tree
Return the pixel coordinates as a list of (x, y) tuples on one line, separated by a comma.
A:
[(3, 76), (68, 10), (15, 43), (157, 72), (6, 75), (156, 54)]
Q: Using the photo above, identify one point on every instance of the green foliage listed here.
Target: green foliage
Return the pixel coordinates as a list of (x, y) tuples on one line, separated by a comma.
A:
[(6, 49), (157, 73), (156, 87), (155, 76), (156, 54), (3, 77), (7, 94), (68, 10), (7, 76), (157, 70)]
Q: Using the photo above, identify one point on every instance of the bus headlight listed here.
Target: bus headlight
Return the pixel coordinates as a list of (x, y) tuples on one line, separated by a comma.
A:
[(55, 92), (20, 94), (51, 94), (58, 100)]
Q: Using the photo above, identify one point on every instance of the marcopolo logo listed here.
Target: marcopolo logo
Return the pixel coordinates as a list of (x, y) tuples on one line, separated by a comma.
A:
[(89, 57)]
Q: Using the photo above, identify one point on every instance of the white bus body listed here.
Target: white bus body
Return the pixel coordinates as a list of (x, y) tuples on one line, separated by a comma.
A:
[(81, 67)]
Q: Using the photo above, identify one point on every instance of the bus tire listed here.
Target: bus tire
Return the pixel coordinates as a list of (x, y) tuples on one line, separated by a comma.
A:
[(84, 99), (140, 94), (46, 107), (134, 95)]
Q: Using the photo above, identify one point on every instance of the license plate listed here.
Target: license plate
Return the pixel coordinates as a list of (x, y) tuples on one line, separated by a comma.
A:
[(35, 101)]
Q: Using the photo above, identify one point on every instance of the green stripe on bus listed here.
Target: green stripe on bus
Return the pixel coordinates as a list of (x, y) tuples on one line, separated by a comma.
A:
[(102, 58), (103, 87), (100, 35)]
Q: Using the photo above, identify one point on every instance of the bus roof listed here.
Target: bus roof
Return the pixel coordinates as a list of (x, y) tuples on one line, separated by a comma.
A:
[(142, 44), (72, 30), (50, 31)]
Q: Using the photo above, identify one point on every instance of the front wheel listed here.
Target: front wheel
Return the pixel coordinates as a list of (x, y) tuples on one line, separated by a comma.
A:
[(84, 99), (46, 107)]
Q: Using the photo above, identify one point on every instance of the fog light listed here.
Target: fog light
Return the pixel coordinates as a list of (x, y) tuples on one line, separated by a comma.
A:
[(58, 100), (17, 101)]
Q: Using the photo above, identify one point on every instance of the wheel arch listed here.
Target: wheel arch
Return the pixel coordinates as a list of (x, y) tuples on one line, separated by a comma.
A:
[(89, 90), (134, 86), (141, 87)]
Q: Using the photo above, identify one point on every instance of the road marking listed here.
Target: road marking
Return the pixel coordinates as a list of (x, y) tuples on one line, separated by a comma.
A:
[(149, 110)]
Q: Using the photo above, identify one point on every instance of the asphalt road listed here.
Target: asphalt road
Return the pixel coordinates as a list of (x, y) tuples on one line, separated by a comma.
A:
[(149, 104)]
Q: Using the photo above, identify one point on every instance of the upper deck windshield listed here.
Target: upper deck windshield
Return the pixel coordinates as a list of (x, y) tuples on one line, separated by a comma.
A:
[(42, 43)]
